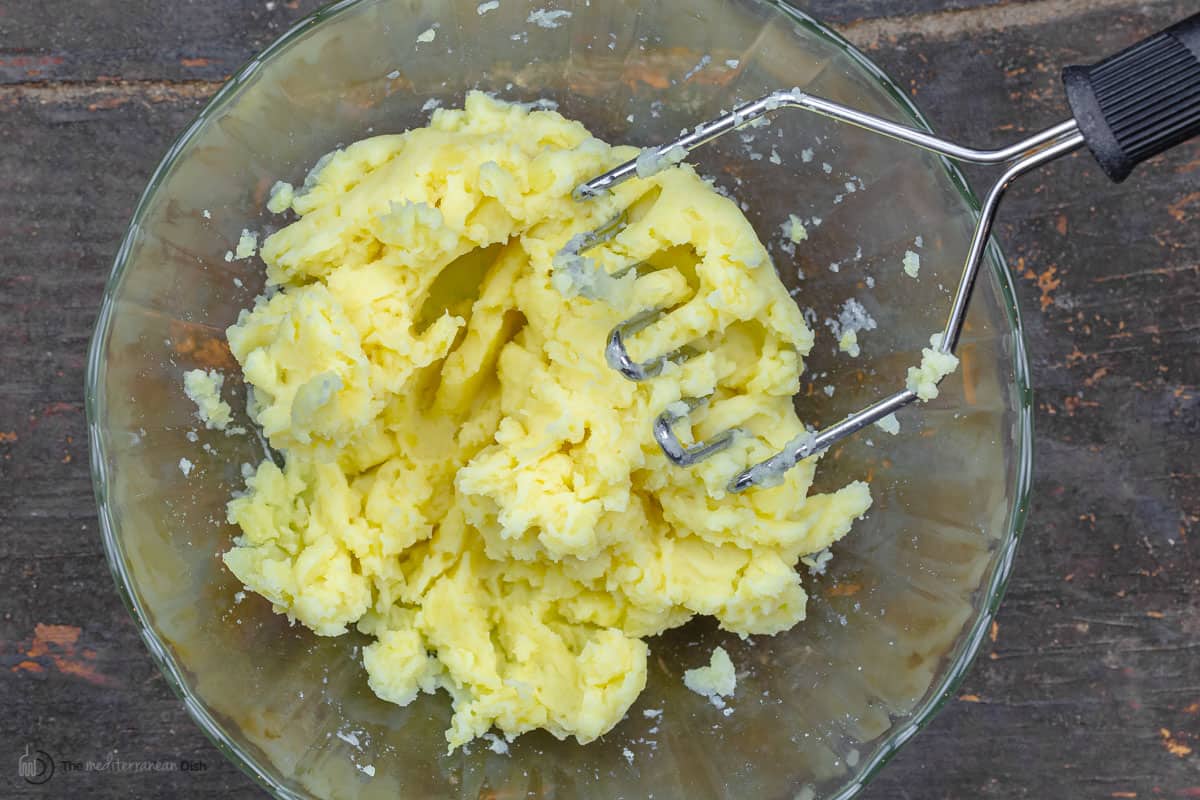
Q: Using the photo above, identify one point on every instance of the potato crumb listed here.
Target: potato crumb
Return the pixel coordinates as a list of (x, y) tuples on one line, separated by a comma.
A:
[(912, 263), (204, 389), (428, 35), (852, 318), (817, 563), (794, 229), (280, 200), (652, 161), (247, 245), (935, 365), (718, 679), (889, 424), (849, 344)]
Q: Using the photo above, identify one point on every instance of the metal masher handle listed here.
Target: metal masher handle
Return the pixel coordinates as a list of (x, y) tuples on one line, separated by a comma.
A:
[(1128, 108)]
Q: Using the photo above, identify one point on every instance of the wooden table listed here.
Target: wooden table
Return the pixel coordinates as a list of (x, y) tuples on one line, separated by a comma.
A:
[(1090, 684)]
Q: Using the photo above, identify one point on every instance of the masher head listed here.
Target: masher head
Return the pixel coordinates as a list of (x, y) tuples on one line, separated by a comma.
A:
[(1020, 157), (1127, 108)]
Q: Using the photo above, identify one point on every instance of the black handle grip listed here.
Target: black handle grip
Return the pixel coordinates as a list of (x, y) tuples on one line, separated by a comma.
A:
[(1141, 101)]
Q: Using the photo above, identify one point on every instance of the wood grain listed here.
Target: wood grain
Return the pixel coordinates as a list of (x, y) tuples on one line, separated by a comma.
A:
[(1089, 686)]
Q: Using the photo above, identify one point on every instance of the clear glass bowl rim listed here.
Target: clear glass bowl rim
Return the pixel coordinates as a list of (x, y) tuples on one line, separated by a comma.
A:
[(225, 741)]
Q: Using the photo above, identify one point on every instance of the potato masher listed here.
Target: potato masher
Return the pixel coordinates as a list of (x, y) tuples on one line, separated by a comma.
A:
[(1126, 109)]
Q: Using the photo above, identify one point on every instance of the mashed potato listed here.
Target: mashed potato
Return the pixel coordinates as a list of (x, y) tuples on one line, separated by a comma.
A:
[(718, 679), (203, 387), (466, 479), (923, 380)]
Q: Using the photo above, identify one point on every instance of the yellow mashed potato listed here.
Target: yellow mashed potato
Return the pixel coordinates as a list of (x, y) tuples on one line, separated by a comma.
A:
[(466, 480), (718, 679), (923, 380)]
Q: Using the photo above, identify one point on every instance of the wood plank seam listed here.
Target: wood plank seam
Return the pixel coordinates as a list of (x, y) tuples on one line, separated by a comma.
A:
[(873, 32), (155, 91)]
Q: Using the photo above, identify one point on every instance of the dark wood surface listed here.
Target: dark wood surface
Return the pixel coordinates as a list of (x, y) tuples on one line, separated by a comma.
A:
[(1090, 684)]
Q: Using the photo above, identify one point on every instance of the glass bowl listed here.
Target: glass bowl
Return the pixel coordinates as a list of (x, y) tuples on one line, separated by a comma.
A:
[(909, 594)]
